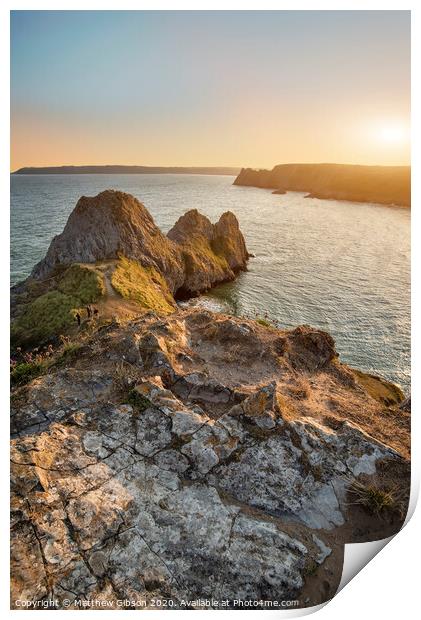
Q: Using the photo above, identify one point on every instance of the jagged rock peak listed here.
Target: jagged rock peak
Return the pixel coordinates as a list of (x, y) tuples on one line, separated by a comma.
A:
[(211, 252), (106, 225), (114, 223), (190, 224)]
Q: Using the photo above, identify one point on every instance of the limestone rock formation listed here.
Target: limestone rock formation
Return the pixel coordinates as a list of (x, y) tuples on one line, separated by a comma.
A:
[(105, 226), (111, 248), (211, 252), (153, 463)]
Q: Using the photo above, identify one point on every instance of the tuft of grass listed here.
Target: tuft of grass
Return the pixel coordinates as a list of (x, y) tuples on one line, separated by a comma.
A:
[(310, 567), (144, 285), (378, 388), (67, 353), (26, 371), (375, 500), (125, 376), (138, 401)]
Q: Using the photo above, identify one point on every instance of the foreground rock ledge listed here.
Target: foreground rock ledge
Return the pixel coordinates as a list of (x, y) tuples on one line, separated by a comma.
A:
[(198, 456)]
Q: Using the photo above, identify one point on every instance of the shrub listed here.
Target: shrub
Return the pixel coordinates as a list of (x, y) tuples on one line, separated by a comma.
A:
[(67, 352), (125, 376)]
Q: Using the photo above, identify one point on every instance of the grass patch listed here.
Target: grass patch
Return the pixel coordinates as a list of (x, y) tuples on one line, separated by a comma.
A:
[(381, 390), (263, 322), (144, 285), (47, 316), (310, 567), (124, 377), (53, 312), (29, 364), (82, 282), (199, 256), (67, 353)]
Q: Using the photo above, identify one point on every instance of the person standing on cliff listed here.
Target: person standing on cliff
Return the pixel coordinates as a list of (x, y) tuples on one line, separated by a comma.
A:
[(77, 317)]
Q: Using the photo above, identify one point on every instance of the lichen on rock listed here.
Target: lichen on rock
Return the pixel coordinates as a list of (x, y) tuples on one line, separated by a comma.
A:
[(224, 483)]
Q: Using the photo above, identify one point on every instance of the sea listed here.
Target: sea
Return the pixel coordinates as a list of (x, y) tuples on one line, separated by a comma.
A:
[(340, 266)]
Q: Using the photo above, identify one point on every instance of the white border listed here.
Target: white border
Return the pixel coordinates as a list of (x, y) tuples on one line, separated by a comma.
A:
[(388, 585)]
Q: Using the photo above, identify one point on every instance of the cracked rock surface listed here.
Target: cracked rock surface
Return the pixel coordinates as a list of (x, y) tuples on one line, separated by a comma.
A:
[(220, 469)]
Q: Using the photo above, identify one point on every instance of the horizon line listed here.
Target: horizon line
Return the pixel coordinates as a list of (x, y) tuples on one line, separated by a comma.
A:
[(239, 167)]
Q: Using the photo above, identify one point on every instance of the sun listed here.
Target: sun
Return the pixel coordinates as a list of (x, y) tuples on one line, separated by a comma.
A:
[(393, 134)]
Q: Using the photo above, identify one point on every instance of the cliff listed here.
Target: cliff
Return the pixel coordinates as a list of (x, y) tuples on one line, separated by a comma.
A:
[(110, 250), (378, 184), (156, 457)]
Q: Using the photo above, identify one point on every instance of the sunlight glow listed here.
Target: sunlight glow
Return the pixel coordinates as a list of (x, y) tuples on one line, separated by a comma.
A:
[(393, 134)]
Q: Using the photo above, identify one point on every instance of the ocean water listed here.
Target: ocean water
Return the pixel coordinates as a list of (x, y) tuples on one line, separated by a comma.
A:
[(339, 266)]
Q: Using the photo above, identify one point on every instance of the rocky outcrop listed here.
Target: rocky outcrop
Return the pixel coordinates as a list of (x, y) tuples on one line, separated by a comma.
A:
[(379, 184), (211, 252), (105, 226), (197, 456), (194, 256), (111, 248)]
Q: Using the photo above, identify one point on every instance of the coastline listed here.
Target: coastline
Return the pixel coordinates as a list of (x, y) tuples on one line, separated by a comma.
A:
[(386, 185)]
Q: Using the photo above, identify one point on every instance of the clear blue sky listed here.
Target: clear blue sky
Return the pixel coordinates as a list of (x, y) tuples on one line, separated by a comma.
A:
[(209, 88)]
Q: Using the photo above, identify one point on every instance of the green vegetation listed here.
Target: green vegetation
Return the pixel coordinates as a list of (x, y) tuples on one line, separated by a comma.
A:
[(27, 365), (83, 282), (198, 253), (51, 313), (47, 316), (67, 353), (138, 401), (26, 371), (263, 322), (310, 567), (143, 285)]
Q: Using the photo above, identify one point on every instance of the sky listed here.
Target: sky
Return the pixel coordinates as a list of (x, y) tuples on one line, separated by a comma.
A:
[(209, 88)]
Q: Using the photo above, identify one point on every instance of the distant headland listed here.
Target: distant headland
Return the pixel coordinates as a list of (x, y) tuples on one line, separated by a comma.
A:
[(380, 184), (127, 170)]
